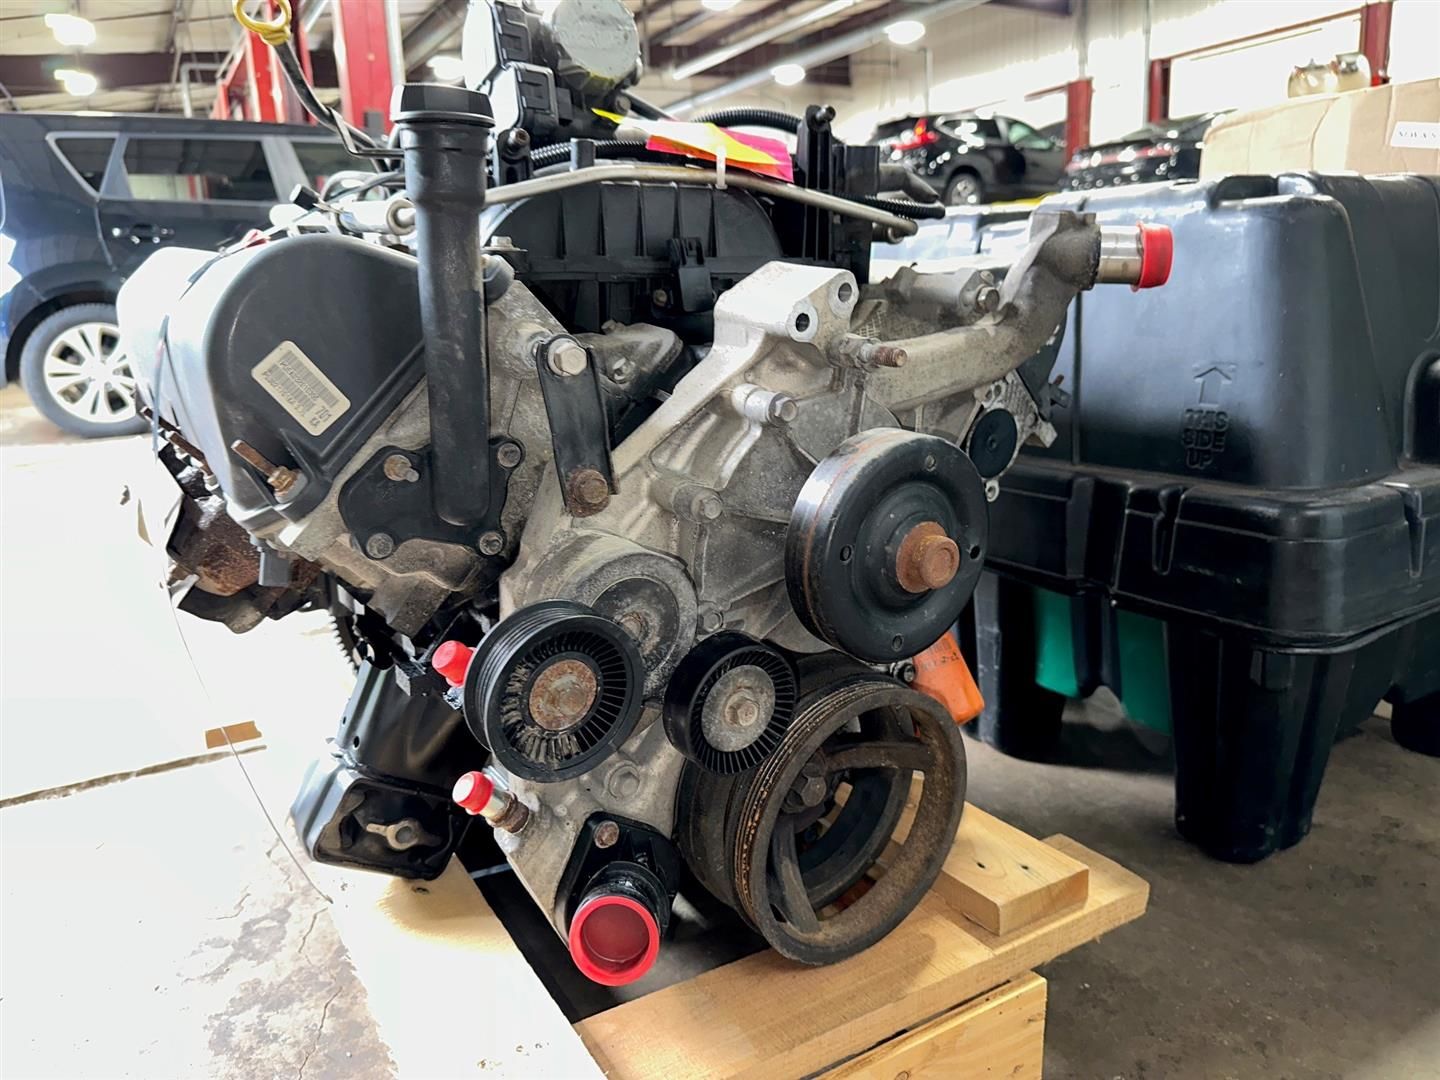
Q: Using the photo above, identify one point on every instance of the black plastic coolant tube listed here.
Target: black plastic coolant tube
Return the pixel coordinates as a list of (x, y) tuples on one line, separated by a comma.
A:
[(445, 160)]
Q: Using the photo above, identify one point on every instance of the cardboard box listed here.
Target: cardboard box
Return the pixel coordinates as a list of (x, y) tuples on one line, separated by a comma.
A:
[(1383, 129)]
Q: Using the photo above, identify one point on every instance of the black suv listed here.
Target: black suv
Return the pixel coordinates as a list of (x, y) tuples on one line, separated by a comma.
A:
[(83, 201), (968, 158)]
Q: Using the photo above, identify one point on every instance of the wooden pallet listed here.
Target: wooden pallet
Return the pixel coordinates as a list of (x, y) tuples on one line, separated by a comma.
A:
[(948, 994)]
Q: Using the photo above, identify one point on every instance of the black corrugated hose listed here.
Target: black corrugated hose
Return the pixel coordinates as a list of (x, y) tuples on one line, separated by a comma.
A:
[(914, 211), (747, 117)]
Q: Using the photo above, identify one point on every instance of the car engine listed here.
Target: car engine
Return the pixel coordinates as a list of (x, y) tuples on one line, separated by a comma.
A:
[(634, 498)]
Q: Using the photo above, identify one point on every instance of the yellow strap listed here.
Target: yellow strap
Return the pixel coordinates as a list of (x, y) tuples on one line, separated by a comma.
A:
[(274, 31)]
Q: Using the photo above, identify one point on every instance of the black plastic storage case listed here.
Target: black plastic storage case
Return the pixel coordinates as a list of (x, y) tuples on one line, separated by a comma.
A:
[(1250, 455)]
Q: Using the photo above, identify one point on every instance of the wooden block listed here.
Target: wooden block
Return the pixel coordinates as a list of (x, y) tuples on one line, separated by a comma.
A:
[(764, 1016), (451, 993), (1004, 878), (1000, 1034), (1001, 877)]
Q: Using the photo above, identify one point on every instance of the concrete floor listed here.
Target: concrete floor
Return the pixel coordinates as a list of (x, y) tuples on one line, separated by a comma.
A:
[(1322, 961), (152, 927)]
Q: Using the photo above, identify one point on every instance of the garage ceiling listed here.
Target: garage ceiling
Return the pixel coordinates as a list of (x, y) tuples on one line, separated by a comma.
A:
[(140, 44), (135, 41)]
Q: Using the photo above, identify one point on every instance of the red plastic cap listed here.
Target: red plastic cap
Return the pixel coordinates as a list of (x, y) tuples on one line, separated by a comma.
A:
[(472, 792), (614, 939), (1157, 253), (451, 659)]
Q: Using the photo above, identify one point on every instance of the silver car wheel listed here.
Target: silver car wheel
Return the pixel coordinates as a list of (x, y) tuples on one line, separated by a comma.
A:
[(964, 190), (87, 373)]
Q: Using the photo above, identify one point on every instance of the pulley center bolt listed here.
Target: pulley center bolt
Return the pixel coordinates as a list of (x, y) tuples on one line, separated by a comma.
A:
[(810, 786), (928, 559), (742, 710), (562, 694), (635, 624)]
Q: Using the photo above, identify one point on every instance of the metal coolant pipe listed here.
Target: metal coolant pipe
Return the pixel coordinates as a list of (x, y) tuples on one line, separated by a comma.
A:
[(1137, 255), (444, 136)]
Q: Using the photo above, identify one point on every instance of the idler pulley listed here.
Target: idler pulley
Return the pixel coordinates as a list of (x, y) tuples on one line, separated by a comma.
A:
[(553, 689)]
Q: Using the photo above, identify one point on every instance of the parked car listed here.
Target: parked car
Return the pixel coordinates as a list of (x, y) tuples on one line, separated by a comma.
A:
[(83, 201), (970, 158), (1167, 150)]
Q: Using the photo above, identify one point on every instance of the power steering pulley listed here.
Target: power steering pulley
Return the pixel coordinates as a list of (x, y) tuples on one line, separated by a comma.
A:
[(886, 542)]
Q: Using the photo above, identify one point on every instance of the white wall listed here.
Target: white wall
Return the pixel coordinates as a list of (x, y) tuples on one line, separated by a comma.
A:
[(985, 57), (1415, 40), (995, 57)]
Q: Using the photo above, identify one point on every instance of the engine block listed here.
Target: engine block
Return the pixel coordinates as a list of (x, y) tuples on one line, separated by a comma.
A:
[(641, 593)]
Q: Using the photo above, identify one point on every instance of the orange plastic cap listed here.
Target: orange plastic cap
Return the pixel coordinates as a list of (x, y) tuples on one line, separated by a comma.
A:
[(941, 672)]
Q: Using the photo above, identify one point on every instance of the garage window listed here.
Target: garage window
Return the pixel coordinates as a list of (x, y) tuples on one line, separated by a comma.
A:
[(969, 128), (87, 156), (321, 160), (198, 170), (1027, 138)]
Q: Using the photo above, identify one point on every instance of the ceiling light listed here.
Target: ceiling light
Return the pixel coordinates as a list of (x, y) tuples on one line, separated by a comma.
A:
[(71, 30), (788, 74), (905, 32), (718, 5), (77, 83), (448, 68)]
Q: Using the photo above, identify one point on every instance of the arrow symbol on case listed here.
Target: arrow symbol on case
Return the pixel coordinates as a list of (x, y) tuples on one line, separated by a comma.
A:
[(1210, 380)]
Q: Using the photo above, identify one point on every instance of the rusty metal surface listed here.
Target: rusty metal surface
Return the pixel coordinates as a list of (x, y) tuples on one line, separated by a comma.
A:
[(936, 752), (927, 558), (562, 694), (206, 542), (514, 817), (586, 492), (280, 478)]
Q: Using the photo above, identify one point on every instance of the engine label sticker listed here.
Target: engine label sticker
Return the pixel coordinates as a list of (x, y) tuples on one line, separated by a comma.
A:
[(301, 388), (1416, 135)]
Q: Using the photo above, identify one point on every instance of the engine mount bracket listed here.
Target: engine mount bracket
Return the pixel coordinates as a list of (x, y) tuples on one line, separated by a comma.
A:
[(389, 500)]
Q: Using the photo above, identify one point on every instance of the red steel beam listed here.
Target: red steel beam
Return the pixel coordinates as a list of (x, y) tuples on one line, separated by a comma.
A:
[(226, 95), (1375, 40), (1078, 95), (363, 59), (262, 100), (1157, 101), (290, 108)]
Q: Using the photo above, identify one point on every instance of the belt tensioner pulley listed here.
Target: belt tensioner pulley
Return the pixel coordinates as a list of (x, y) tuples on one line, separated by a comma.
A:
[(794, 844), (886, 542), (730, 703), (553, 689)]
